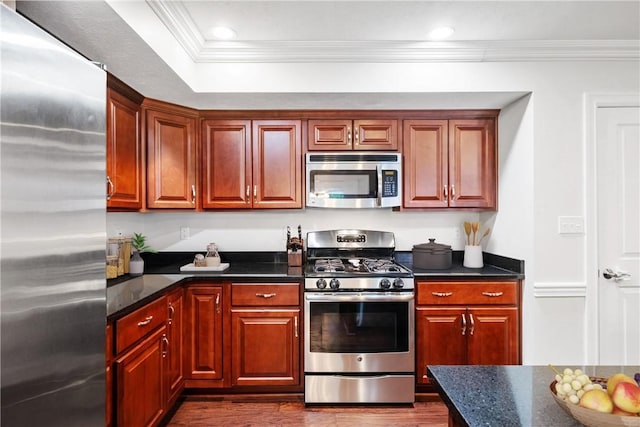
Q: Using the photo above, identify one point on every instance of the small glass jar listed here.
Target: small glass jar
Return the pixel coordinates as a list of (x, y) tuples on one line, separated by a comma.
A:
[(212, 259), (112, 266)]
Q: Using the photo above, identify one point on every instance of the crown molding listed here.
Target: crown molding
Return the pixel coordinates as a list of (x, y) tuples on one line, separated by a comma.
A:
[(178, 21)]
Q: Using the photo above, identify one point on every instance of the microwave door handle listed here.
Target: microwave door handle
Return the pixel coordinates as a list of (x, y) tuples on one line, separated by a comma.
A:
[(379, 198)]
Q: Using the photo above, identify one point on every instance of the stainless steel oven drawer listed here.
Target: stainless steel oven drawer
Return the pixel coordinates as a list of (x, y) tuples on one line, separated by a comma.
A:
[(359, 389)]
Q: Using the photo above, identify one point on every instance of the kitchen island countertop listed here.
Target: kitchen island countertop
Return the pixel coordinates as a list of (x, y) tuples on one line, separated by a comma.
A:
[(504, 396)]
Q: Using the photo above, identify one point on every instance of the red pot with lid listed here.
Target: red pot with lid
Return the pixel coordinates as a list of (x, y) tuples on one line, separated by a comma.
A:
[(432, 256)]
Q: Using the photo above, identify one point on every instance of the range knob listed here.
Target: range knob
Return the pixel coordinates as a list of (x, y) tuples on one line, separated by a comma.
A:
[(334, 284), (398, 283), (321, 283), (385, 283)]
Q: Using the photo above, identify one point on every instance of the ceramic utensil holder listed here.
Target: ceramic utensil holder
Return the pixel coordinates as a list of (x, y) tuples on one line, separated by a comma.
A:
[(473, 257)]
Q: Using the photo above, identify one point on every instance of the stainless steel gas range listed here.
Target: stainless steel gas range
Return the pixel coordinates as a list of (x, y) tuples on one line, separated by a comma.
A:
[(359, 320)]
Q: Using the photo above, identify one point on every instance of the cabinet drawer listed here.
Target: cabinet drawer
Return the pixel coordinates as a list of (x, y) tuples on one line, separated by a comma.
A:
[(136, 325), (261, 294), (467, 293)]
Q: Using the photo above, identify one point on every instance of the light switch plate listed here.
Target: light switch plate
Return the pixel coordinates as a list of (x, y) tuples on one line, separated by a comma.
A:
[(184, 233), (570, 225)]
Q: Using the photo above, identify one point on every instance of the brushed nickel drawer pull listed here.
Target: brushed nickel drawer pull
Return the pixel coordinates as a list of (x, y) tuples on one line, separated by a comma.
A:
[(172, 311), (165, 345), (492, 294), (441, 294), (295, 325), (217, 303), (266, 295), (473, 324), (146, 321), (464, 324)]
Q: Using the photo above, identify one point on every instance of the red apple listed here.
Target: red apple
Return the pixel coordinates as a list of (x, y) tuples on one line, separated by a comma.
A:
[(615, 379), (598, 400), (626, 396)]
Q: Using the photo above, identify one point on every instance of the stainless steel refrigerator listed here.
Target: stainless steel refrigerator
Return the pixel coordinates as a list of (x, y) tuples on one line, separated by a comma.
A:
[(53, 230)]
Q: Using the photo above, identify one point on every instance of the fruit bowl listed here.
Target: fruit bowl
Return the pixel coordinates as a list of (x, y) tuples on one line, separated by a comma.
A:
[(590, 417)]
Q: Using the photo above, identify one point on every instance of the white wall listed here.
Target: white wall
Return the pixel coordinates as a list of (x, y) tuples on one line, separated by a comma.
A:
[(541, 177)]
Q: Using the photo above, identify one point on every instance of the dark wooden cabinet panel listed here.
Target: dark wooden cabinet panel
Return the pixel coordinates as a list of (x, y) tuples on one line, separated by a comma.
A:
[(174, 372), (341, 134), (439, 339), (426, 153), (494, 337), (266, 347), (171, 160), (227, 164), (472, 163), (450, 163), (205, 336), (140, 385), (277, 164), (109, 376), (124, 152)]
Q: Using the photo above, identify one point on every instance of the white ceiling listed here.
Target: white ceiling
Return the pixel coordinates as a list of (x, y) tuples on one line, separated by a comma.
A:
[(162, 47)]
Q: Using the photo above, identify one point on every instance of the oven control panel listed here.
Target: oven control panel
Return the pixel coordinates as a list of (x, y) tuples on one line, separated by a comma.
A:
[(351, 238)]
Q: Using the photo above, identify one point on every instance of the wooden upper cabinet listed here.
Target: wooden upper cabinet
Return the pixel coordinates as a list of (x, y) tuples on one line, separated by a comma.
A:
[(124, 152), (277, 164), (336, 135), (227, 164), (450, 163), (171, 159), (425, 151), (472, 163)]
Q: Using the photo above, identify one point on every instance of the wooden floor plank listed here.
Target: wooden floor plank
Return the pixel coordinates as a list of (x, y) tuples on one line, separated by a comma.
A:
[(249, 412)]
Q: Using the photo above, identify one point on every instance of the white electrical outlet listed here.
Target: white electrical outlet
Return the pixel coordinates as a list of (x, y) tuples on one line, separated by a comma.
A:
[(570, 225), (184, 233)]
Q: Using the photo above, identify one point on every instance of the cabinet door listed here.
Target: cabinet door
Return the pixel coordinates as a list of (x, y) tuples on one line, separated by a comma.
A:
[(330, 135), (205, 316), (124, 153), (277, 164), (493, 337), (174, 358), (171, 160), (472, 163), (140, 389), (425, 148), (375, 135), (109, 376), (266, 347), (226, 168), (440, 339)]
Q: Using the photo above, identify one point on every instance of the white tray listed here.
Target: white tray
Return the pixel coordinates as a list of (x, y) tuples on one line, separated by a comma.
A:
[(190, 267)]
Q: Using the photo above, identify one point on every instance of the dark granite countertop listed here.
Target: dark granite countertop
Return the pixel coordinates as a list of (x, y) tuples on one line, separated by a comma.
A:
[(504, 396), (162, 271)]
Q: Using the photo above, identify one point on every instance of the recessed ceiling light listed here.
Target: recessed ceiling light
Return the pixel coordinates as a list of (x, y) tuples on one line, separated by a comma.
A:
[(440, 33), (223, 33)]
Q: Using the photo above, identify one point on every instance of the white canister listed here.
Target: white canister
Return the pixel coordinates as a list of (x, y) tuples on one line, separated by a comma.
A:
[(473, 257)]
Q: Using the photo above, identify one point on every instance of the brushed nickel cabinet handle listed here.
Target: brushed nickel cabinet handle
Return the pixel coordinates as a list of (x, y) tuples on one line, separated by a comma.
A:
[(295, 325), (492, 294), (271, 295), (356, 133), (165, 345), (446, 192), (193, 193), (464, 324), (112, 188), (171, 313), (248, 194), (255, 193), (217, 303), (473, 324), (146, 321), (453, 191), (441, 294), (349, 135)]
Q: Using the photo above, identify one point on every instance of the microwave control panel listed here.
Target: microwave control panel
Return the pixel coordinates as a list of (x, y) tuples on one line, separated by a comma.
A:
[(389, 183)]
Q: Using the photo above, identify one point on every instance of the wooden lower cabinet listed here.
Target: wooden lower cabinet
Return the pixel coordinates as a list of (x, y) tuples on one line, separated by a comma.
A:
[(467, 323), (174, 373), (266, 347), (204, 333), (140, 386), (109, 376)]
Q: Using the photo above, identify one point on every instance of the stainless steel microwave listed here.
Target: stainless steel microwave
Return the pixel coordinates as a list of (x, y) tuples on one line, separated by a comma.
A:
[(354, 180)]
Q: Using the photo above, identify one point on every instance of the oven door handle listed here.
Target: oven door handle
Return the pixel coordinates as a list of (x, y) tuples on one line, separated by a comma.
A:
[(358, 297)]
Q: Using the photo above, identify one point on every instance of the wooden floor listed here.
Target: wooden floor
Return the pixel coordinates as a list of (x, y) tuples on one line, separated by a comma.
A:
[(291, 411)]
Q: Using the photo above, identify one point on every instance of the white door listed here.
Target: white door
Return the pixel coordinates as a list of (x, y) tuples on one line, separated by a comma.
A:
[(618, 236)]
